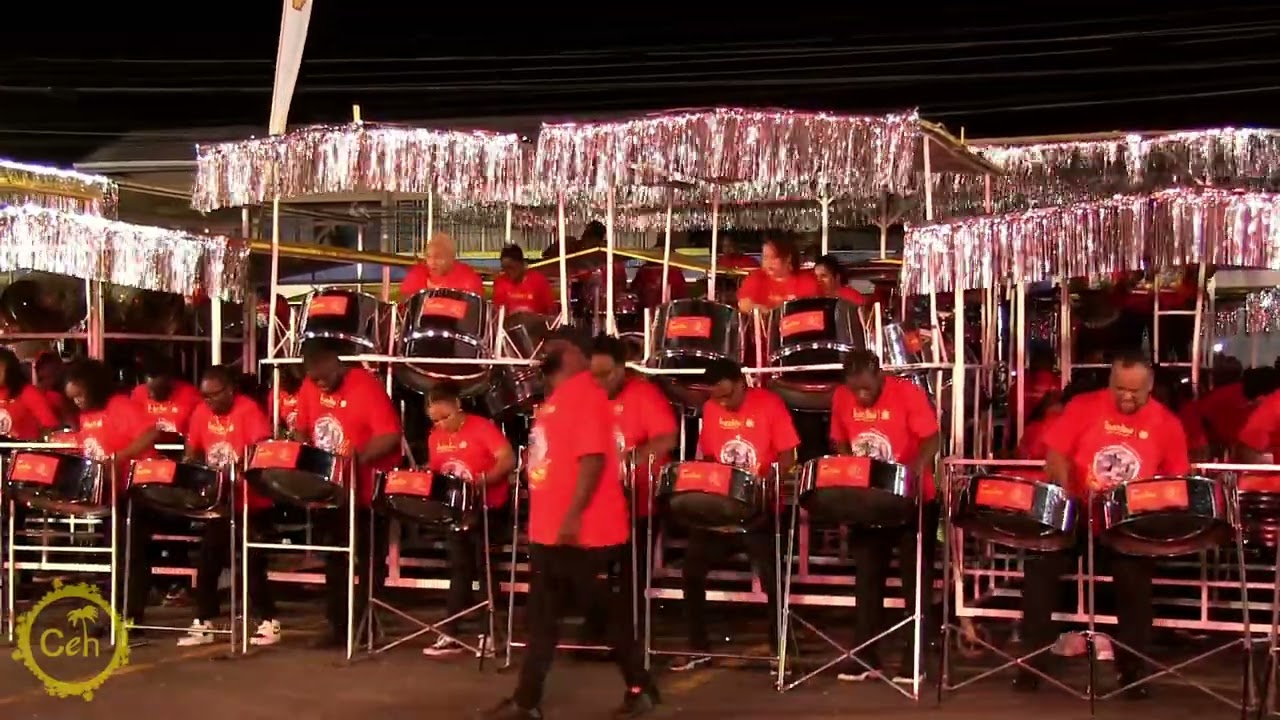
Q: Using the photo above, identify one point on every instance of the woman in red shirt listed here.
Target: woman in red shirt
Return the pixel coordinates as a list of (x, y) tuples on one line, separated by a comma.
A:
[(830, 276), (778, 280), (24, 411), (518, 290), (474, 449)]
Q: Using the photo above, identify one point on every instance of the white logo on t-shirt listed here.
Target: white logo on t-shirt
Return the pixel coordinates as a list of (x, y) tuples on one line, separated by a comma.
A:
[(6, 422), (740, 454), (458, 469), (221, 455), (874, 445), (329, 435), (92, 449), (1114, 464)]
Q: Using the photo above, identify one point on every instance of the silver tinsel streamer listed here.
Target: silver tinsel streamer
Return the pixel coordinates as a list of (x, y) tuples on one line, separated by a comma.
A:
[(1171, 228), (150, 258), (1258, 314), (64, 190), (359, 158)]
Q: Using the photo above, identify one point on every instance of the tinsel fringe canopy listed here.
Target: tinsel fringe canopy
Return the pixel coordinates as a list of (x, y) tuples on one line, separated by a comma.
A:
[(94, 248), (22, 184), (1167, 229)]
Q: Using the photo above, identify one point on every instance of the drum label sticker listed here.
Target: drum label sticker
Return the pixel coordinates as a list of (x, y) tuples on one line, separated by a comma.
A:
[(1259, 484), (852, 472), (444, 307), (35, 469), (1004, 495), (1156, 496), (276, 454), (703, 477), (327, 305), (802, 322), (689, 327), (408, 482), (154, 472)]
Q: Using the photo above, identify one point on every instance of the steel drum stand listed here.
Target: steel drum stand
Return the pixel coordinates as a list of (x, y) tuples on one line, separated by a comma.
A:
[(915, 619), (482, 649), (948, 627), (1246, 641)]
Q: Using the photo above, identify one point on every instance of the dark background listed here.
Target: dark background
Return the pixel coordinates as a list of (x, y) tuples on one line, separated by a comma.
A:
[(74, 76)]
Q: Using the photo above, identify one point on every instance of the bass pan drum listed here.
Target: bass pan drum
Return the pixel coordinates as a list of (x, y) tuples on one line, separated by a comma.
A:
[(1167, 516), (353, 318), (1019, 510), (446, 324), (811, 331), (688, 335)]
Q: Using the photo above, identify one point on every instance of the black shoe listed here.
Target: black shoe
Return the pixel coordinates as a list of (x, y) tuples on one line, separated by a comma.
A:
[(509, 710), (1027, 682), (638, 702)]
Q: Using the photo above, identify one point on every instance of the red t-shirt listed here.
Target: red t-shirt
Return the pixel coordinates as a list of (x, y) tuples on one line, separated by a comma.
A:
[(1106, 447), (1222, 413), (106, 432), (641, 414), (850, 295), (288, 403), (174, 414), (223, 439), (751, 438), (343, 422), (575, 421), (469, 453), (460, 277), (23, 417), (768, 292), (648, 284), (1261, 431), (891, 430), (1032, 446), (531, 294)]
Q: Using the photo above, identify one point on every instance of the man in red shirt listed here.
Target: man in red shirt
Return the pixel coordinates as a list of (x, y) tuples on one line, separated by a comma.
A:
[(50, 381), (1217, 416), (649, 283), (577, 528), (442, 271), (890, 419), (1259, 440), (222, 429), (830, 276), (1105, 438), (113, 427), (778, 280), (164, 397), (517, 290), (749, 428), (474, 449), (346, 411)]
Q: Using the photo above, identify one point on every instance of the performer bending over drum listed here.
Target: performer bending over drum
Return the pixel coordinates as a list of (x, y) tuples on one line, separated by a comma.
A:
[(890, 419), (644, 427), (778, 279), (749, 428), (221, 429), (167, 399), (474, 449), (577, 527), (518, 290), (442, 271), (345, 410), (1104, 438), (113, 427)]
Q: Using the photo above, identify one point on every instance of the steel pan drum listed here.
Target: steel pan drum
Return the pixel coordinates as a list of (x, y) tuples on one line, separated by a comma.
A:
[(1259, 495), (851, 490), (519, 387), (446, 324), (425, 497), (354, 318), (182, 489), (1166, 516), (688, 335), (60, 482), (811, 331), (1020, 511), (297, 474), (712, 496)]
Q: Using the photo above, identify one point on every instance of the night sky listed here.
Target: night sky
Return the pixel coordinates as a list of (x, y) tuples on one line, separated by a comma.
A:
[(83, 73)]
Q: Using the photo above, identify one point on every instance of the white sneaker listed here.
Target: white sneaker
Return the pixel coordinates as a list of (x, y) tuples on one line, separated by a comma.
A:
[(901, 678), (268, 633), (201, 633), (443, 647)]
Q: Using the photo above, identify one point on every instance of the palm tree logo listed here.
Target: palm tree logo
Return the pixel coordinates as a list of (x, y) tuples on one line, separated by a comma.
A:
[(84, 617)]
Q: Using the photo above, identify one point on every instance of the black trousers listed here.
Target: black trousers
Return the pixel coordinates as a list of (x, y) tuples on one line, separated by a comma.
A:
[(1131, 594), (623, 576), (331, 529), (710, 548), (133, 548), (563, 577), (467, 549), (873, 550), (215, 555)]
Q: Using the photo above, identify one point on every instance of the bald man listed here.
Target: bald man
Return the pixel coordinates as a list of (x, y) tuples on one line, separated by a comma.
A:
[(441, 271)]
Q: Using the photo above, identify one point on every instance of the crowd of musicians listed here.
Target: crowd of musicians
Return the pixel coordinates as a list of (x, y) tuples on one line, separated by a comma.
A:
[(581, 507)]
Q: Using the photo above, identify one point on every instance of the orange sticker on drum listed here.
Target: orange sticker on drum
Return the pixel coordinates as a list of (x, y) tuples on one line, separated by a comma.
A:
[(704, 477), (33, 469), (327, 305), (154, 472), (846, 471), (689, 327), (801, 322), (1157, 495), (408, 482), (1004, 494), (275, 454), (1259, 484), (444, 307)]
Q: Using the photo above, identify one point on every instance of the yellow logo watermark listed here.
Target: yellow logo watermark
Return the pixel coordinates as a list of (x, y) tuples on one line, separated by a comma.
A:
[(60, 641)]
